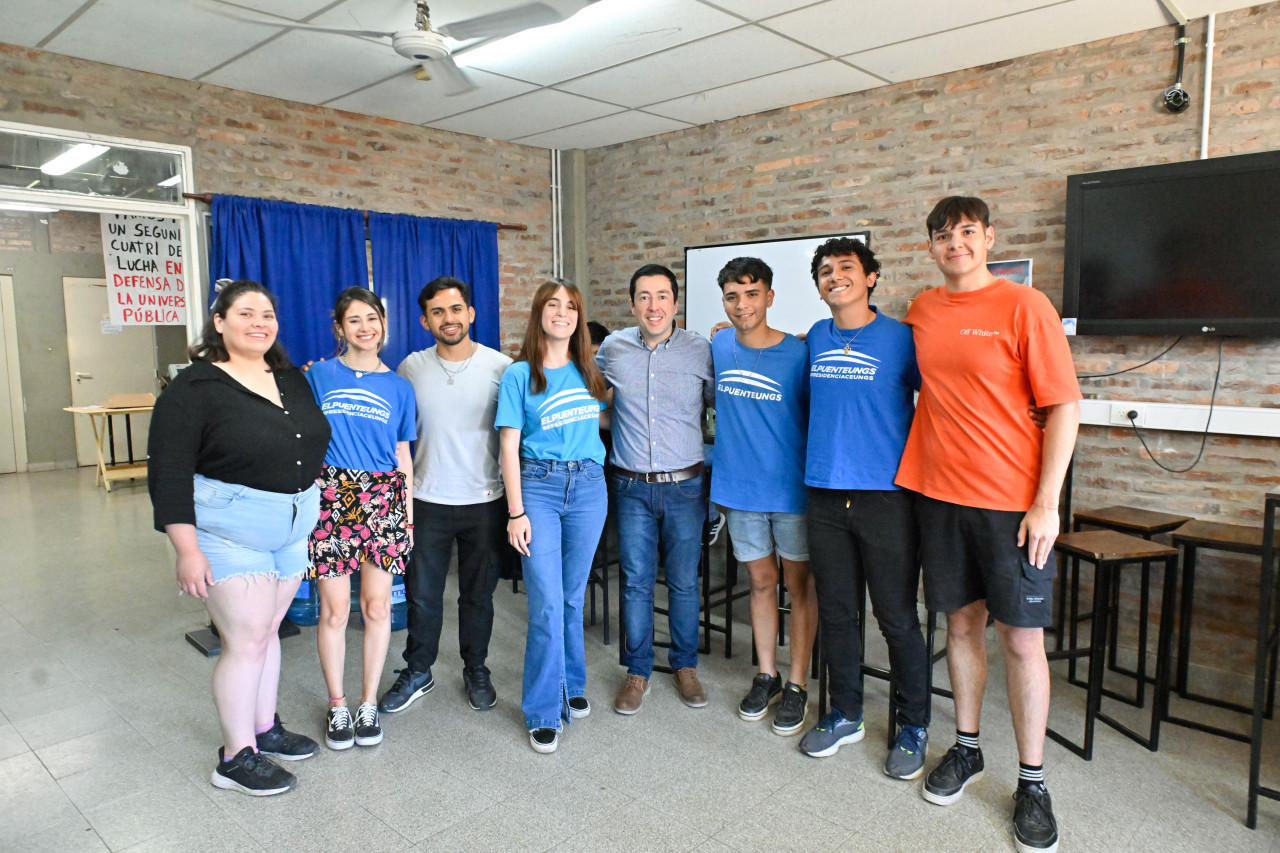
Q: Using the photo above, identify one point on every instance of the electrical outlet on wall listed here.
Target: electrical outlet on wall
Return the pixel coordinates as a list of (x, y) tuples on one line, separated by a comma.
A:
[(1120, 414)]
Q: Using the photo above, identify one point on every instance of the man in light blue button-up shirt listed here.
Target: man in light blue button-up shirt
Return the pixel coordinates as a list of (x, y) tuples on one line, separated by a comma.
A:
[(663, 381)]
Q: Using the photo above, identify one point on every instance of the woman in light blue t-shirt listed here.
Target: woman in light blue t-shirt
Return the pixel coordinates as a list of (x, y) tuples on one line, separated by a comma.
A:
[(552, 458), (366, 522)]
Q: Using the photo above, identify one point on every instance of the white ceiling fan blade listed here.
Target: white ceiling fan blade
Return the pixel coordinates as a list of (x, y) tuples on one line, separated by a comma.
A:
[(499, 24), (285, 24), (455, 80)]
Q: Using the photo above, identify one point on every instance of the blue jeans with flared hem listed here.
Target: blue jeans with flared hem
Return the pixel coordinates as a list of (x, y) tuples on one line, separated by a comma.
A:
[(670, 517), (566, 503)]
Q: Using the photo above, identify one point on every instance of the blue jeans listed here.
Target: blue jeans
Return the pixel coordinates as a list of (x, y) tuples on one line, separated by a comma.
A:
[(670, 515), (566, 503)]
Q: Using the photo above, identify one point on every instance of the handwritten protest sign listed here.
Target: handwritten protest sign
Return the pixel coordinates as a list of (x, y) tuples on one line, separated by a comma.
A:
[(146, 280)]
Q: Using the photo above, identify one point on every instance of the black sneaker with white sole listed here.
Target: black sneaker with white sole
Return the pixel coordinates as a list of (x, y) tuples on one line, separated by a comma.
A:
[(765, 690), (280, 743), (946, 783), (368, 726), (789, 718), (544, 740), (409, 687), (480, 693), (1035, 830), (252, 773), (579, 707), (339, 733)]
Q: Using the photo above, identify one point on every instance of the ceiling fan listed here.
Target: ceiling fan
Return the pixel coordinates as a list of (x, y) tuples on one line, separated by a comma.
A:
[(430, 45)]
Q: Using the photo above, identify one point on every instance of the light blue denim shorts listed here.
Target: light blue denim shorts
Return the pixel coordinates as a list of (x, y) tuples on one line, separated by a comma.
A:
[(755, 534), (244, 531)]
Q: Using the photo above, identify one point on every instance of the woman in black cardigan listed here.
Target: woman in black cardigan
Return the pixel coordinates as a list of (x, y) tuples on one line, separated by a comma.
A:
[(236, 444)]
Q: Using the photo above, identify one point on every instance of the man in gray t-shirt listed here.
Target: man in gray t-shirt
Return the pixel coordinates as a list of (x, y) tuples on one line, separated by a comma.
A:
[(457, 495)]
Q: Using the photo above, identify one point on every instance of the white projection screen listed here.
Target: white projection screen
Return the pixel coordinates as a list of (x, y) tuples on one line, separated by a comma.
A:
[(796, 306)]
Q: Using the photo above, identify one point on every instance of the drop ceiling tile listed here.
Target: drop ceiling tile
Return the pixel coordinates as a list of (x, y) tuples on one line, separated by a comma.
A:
[(310, 67), (697, 67), (846, 26), (794, 86), (295, 9), (26, 23), (161, 36), (393, 15), (1050, 28), (601, 35), (404, 98), (610, 130), (536, 112), (1202, 8), (757, 9)]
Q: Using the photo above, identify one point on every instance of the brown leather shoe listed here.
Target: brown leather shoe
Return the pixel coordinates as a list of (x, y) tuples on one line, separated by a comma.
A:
[(632, 694), (690, 688)]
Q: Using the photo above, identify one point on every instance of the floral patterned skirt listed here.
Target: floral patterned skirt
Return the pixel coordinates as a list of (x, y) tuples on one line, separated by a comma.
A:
[(362, 519)]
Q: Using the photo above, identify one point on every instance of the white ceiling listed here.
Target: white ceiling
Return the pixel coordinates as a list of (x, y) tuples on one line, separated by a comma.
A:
[(615, 71)]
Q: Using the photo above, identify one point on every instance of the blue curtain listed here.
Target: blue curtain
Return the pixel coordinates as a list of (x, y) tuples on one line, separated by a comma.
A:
[(409, 251), (305, 254)]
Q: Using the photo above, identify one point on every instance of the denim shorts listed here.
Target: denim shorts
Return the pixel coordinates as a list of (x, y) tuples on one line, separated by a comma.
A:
[(754, 535), (244, 531)]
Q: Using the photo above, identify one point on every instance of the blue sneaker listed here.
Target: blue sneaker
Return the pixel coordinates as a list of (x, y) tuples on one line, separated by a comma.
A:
[(906, 756), (832, 732)]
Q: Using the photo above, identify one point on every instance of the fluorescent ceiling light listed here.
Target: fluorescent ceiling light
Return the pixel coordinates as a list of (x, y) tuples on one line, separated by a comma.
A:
[(170, 182), (75, 156), (27, 208)]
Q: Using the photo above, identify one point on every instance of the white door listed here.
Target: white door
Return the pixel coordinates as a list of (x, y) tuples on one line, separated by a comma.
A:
[(106, 360), (11, 428)]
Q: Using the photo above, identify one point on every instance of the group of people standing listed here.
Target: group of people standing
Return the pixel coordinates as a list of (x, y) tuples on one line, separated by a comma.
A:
[(818, 441)]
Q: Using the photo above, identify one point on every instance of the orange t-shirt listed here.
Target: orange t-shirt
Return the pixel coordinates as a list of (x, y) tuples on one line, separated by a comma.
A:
[(984, 356)]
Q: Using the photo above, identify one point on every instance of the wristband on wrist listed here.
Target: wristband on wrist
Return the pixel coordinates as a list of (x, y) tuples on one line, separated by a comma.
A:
[(514, 517)]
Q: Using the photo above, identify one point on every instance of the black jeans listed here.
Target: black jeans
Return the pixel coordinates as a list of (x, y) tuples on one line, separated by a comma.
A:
[(869, 534), (480, 531)]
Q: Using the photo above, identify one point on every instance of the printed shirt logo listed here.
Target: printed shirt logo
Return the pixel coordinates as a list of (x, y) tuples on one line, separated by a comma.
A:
[(356, 403), (837, 364), (742, 383), (568, 407), (980, 333)]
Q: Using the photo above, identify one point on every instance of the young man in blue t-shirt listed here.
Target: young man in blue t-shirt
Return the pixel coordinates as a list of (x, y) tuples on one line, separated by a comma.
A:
[(762, 404), (862, 378)]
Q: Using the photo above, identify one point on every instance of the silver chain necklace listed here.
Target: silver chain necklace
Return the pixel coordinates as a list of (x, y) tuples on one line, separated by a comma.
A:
[(452, 373), (849, 343), (759, 355), (359, 373)]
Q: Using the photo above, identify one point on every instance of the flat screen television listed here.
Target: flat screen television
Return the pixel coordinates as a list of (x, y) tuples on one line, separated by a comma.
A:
[(1175, 249)]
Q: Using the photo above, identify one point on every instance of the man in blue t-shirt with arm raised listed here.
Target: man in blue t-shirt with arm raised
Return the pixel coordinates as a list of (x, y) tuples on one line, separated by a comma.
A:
[(862, 378)]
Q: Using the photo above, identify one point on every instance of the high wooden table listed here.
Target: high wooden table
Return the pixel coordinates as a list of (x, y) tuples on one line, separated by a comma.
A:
[(100, 420)]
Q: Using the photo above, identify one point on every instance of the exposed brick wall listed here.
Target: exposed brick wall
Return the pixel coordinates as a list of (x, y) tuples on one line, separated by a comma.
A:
[(258, 146), (17, 232), (1010, 132), (74, 231)]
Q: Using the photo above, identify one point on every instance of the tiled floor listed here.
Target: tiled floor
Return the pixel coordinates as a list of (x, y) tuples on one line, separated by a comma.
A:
[(107, 738)]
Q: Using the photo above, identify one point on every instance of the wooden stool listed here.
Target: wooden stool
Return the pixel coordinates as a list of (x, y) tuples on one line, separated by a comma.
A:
[(1236, 539), (1268, 646), (1107, 550), (1212, 536), (1135, 522)]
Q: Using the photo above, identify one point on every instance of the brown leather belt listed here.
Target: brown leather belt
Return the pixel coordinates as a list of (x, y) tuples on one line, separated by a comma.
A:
[(662, 476)]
